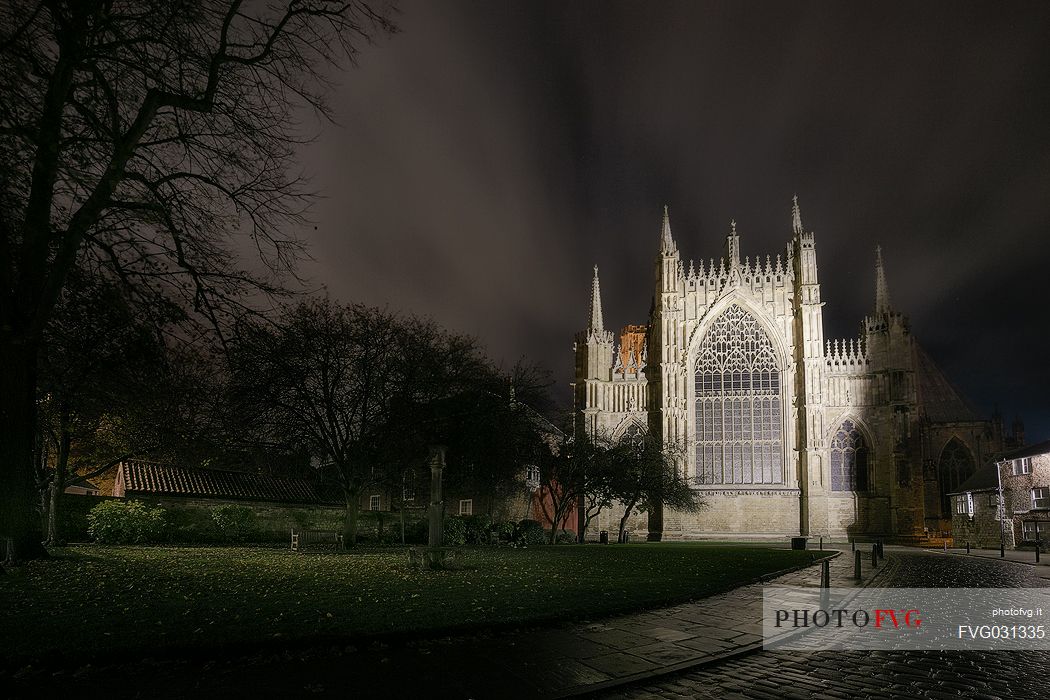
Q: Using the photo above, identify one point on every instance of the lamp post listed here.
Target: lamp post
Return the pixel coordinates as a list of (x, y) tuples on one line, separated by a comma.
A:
[(1002, 511)]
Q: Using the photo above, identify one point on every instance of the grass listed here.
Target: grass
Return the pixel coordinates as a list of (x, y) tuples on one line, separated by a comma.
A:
[(96, 601)]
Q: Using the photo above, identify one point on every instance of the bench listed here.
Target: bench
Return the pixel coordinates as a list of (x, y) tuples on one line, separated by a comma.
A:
[(302, 538)]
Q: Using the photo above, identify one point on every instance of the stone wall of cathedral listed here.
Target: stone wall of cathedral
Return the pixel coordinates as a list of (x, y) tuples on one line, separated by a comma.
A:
[(783, 433)]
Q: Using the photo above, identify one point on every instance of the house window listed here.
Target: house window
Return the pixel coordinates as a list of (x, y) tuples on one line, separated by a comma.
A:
[(993, 500), (375, 502), (1022, 466), (1041, 497), (1032, 530), (964, 505), (466, 507), (532, 474), (739, 409)]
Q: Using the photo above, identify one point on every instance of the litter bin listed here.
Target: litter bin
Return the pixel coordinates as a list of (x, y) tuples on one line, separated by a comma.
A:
[(798, 542), (603, 537)]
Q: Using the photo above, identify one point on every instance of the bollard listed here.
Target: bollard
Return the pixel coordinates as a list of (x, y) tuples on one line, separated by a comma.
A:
[(1002, 550), (882, 552), (967, 547), (874, 555), (1037, 551), (821, 545), (853, 545), (856, 565), (825, 574), (945, 543)]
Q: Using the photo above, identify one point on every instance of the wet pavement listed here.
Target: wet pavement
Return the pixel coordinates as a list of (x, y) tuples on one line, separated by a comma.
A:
[(880, 674)]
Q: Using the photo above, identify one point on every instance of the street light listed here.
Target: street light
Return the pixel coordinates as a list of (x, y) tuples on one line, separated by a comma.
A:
[(1002, 511)]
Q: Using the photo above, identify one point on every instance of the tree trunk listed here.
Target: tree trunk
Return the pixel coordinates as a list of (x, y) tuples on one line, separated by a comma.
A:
[(402, 509), (628, 507), (58, 482), (19, 519), (353, 508)]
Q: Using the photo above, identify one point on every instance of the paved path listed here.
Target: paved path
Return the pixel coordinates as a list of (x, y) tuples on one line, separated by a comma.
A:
[(879, 674), (538, 663)]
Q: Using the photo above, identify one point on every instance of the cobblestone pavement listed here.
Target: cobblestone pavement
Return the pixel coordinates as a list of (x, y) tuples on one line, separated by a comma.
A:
[(880, 674)]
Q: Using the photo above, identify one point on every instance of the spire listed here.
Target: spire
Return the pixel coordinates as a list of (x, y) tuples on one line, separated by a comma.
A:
[(733, 245), (597, 323), (882, 294), (796, 216), (667, 246)]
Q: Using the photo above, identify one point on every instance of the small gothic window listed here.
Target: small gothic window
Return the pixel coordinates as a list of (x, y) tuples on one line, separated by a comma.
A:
[(634, 435), (903, 472), (954, 467), (849, 459)]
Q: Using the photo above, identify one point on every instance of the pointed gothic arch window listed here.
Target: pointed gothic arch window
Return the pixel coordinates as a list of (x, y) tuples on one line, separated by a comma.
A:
[(849, 459), (634, 435), (955, 466), (738, 404)]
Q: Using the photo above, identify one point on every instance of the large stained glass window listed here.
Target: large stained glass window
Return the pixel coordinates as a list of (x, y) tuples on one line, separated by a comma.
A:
[(955, 466), (738, 404), (849, 459)]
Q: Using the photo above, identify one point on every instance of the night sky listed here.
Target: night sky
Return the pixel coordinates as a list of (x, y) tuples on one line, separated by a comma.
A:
[(490, 154)]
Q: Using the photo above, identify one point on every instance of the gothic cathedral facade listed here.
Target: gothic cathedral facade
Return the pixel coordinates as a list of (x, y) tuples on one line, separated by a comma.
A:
[(783, 431)]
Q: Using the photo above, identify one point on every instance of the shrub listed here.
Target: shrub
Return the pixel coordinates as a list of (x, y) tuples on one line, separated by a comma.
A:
[(455, 531), (125, 522), (566, 537), (529, 532), (504, 530), (478, 528), (235, 523)]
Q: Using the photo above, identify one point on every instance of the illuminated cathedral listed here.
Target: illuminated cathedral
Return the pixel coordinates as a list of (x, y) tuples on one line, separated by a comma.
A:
[(783, 431)]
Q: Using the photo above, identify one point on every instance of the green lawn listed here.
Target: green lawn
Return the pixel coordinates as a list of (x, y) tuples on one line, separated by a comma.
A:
[(96, 600)]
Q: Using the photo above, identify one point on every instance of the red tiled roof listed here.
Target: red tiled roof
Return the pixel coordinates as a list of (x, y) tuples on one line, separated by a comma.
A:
[(148, 478)]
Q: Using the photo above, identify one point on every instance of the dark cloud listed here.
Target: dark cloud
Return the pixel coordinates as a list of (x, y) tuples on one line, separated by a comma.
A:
[(492, 152)]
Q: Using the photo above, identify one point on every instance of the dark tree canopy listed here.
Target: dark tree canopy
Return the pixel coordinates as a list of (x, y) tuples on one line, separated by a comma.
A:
[(139, 138), (359, 388)]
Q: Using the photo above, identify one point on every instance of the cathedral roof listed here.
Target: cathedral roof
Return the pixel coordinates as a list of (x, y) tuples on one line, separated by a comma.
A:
[(938, 397), (1041, 448), (984, 479)]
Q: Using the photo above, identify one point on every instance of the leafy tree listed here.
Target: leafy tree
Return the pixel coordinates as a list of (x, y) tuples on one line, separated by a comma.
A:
[(598, 492), (141, 137), (565, 470), (644, 475), (485, 417)]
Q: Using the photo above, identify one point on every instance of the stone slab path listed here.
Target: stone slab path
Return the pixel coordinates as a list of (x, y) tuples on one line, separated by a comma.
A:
[(588, 657)]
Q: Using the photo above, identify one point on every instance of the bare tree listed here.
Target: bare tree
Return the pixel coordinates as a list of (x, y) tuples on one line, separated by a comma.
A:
[(141, 137), (338, 379)]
